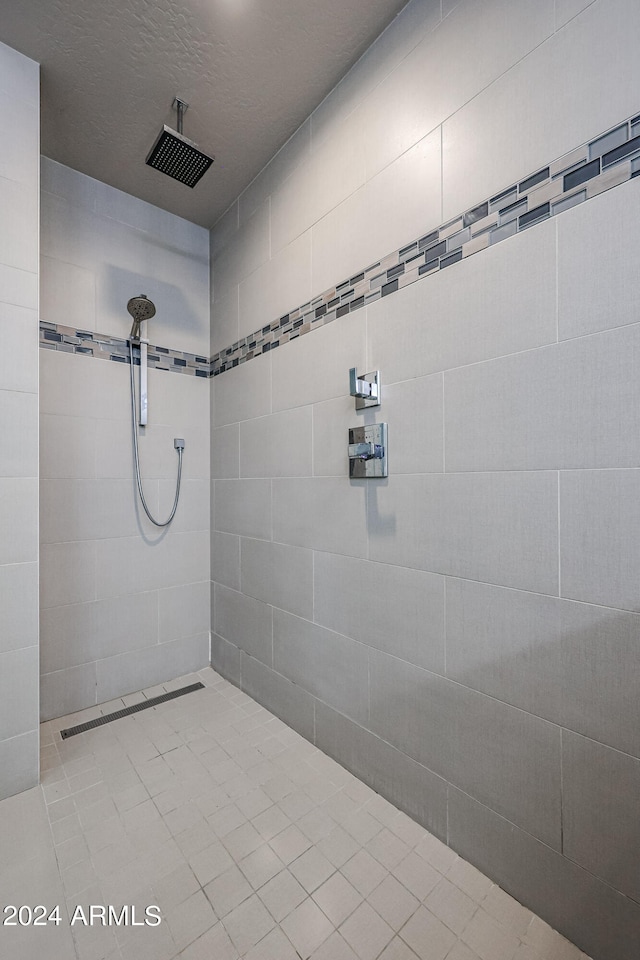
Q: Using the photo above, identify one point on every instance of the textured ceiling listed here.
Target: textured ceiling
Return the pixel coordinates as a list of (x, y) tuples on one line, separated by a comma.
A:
[(251, 71)]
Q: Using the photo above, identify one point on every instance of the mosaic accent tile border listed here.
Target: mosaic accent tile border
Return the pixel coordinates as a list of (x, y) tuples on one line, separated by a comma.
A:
[(591, 169), (596, 166), (71, 340)]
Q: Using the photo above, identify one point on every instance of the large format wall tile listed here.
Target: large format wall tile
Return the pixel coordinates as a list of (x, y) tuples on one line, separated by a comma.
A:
[(317, 367), (79, 633), (403, 781), (322, 513), (592, 914), (243, 621), (571, 663), (570, 405), (499, 302), (598, 272), (18, 691), (19, 358), (19, 759), (242, 507), (505, 152), (508, 759), (278, 574), (18, 611), (599, 549), (496, 527), (331, 667), (243, 393), (278, 445), (601, 829), (286, 699), (394, 609)]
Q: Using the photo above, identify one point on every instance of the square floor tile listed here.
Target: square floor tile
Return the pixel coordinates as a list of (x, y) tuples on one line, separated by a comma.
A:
[(260, 866), (275, 946), (393, 902), (227, 891), (337, 898), (290, 844), (364, 872), (366, 932), (282, 895), (307, 927), (449, 904), (248, 924), (488, 939), (311, 869), (427, 936), (335, 948), (417, 875)]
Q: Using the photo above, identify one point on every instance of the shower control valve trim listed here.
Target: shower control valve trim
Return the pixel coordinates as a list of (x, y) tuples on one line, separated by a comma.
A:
[(366, 389)]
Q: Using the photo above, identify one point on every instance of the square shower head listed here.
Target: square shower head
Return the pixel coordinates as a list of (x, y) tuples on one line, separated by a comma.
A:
[(178, 157)]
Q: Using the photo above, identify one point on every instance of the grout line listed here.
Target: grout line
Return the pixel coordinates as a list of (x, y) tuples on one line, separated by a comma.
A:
[(559, 550)]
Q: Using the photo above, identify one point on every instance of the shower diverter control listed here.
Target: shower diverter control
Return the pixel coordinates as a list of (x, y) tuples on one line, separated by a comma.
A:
[(368, 451)]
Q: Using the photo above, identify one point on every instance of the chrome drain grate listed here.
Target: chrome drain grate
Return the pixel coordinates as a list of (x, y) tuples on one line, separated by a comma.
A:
[(127, 711)]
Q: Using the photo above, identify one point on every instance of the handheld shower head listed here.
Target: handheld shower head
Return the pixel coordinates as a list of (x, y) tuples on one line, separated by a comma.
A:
[(141, 309)]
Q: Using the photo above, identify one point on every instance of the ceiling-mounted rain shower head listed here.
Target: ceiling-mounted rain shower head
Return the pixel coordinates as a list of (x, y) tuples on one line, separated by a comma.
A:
[(141, 309), (176, 156)]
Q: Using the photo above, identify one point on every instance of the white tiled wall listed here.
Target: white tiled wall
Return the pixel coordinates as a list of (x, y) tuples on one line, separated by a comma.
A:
[(19, 180), (124, 605), (464, 633)]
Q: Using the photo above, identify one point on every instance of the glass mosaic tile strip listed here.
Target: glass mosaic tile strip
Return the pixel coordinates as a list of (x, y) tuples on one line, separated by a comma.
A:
[(605, 162), (101, 347), (608, 160)]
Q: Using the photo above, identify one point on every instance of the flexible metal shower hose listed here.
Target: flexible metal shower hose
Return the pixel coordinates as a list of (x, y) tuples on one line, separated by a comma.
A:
[(134, 428)]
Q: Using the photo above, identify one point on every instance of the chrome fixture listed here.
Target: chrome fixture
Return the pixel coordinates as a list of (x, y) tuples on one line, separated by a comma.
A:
[(368, 451), (176, 156), (365, 389), (142, 309)]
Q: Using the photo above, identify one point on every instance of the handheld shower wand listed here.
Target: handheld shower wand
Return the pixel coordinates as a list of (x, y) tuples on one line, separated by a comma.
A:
[(141, 309)]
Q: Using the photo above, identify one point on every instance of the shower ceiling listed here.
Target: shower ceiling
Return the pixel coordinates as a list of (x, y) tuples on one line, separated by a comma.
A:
[(251, 70)]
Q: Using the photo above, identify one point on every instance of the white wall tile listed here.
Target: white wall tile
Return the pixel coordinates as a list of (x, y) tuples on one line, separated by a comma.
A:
[(278, 445), (225, 452), (67, 573), (18, 520), (334, 170), (67, 294), (316, 366), (321, 513), (244, 392), (19, 358), (243, 507), (505, 151), (19, 244), (184, 611), (468, 313), (19, 431), (495, 527), (18, 690), (278, 574), (19, 287), (396, 206), (279, 285), (19, 608), (598, 271), (77, 633), (403, 33), (296, 150)]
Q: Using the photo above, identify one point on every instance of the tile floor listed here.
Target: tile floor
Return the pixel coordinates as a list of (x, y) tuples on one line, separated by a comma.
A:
[(252, 843)]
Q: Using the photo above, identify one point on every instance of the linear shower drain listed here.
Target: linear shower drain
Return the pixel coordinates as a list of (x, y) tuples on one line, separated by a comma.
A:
[(136, 708)]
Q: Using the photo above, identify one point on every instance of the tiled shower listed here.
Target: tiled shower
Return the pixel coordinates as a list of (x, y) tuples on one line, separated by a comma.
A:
[(460, 213)]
